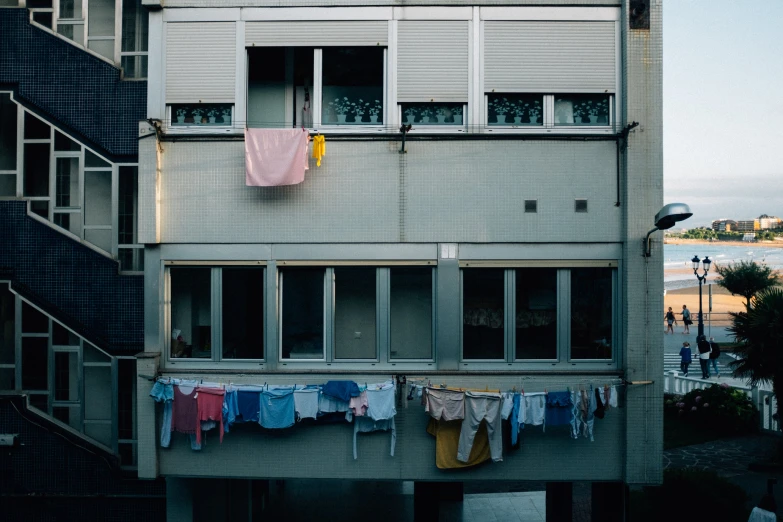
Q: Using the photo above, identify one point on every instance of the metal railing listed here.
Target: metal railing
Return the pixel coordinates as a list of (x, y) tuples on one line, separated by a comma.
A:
[(764, 400)]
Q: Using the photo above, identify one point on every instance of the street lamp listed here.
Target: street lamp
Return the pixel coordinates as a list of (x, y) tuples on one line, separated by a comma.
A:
[(706, 264)]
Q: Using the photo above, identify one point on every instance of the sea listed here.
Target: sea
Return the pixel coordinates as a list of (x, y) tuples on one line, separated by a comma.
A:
[(679, 256)]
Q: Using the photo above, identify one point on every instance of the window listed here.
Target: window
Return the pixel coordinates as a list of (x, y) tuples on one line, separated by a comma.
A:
[(510, 110), (283, 84), (7, 146), (210, 114), (216, 313), (357, 314), (515, 109), (538, 315), (432, 113), (582, 109)]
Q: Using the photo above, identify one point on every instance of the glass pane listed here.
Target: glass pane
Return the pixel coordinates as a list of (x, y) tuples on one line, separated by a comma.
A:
[(40, 401), (99, 238), (43, 18), (131, 259), (354, 315), (191, 312), (515, 109), (40, 208), (243, 313), (35, 363), (64, 143), (69, 415), (7, 378), (7, 325), (134, 67), (66, 376), (42, 4), (97, 403), (411, 312), (536, 313), (7, 184), (103, 47), (93, 354), (135, 26), (92, 160), (73, 32), (36, 169), (33, 321), (582, 109), (201, 114), (432, 113), (7, 133), (128, 454), (266, 94), (303, 313), (35, 129), (352, 85), (70, 221), (67, 182), (126, 398), (591, 313), (127, 204), (100, 432), (61, 336), (97, 197), (101, 17), (483, 307), (70, 8)]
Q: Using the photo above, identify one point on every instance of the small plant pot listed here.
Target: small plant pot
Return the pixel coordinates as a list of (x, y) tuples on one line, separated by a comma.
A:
[(341, 118), (441, 118), (517, 120), (458, 119), (227, 119), (196, 120), (593, 118), (373, 118), (212, 119), (181, 119), (533, 119), (409, 118)]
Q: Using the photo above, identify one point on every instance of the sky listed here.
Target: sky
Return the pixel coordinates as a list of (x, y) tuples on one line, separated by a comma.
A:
[(723, 107)]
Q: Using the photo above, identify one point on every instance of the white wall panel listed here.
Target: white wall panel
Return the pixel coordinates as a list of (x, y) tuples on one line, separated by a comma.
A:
[(316, 34)]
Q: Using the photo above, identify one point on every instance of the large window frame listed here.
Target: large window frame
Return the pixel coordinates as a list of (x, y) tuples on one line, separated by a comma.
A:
[(547, 118), (564, 359), (383, 356), (216, 313)]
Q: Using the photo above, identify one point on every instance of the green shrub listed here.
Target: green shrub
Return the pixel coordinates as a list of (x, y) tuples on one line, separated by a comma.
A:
[(719, 407), (689, 495)]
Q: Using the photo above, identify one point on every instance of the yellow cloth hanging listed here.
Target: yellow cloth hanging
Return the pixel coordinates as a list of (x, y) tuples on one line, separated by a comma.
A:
[(319, 148), (447, 434)]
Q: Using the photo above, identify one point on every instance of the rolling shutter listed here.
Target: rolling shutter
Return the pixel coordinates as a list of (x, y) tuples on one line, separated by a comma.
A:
[(200, 62), (316, 34), (549, 57), (432, 61)]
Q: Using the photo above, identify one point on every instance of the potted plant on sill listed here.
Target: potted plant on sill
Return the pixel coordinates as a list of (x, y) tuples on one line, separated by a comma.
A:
[(375, 110), (341, 108), (599, 114), (197, 116), (226, 113), (519, 109), (441, 113), (456, 113), (534, 111), (500, 107), (212, 115), (181, 112), (410, 114)]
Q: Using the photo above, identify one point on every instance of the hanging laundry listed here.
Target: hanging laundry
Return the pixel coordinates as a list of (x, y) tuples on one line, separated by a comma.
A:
[(481, 407), (444, 404), (367, 425), (277, 408), (514, 418), (380, 414), (447, 435), (358, 405), (599, 406), (230, 408), (184, 418), (248, 404), (507, 405), (535, 409), (319, 148), (306, 402), (210, 408), (164, 393), (275, 157), (341, 390), (558, 408)]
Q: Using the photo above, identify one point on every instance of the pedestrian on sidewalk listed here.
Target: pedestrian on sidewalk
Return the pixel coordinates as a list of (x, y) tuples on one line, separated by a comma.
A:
[(686, 320), (714, 354), (704, 356), (685, 354), (670, 320)]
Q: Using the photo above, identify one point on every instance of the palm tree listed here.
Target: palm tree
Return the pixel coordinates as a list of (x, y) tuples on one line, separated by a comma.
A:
[(746, 278), (759, 334)]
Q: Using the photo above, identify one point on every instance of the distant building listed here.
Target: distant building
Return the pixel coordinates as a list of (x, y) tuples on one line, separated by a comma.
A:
[(748, 225), (768, 222), (724, 225)]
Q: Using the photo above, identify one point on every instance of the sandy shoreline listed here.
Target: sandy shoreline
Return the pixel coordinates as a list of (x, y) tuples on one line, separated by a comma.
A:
[(678, 241), (722, 301)]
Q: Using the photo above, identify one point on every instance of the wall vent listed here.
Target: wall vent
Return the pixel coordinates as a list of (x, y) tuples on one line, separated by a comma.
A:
[(531, 205), (580, 205)]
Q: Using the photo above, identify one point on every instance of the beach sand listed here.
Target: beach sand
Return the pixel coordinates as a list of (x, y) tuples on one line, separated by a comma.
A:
[(722, 301), (765, 244)]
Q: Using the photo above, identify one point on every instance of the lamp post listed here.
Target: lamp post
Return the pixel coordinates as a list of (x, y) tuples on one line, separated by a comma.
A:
[(706, 264)]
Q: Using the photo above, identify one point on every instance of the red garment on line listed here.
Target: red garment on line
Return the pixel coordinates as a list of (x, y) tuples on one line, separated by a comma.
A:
[(184, 413), (210, 408)]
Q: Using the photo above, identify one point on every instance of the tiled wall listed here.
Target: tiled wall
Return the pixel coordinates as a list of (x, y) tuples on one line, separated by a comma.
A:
[(71, 282), (70, 87), (49, 464)]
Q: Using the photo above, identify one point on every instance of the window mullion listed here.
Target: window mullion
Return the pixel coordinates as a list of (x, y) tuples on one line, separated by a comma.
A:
[(217, 313), (329, 314), (382, 315), (317, 100), (564, 315), (509, 321)]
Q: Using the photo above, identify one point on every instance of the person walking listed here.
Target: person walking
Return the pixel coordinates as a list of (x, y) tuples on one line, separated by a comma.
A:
[(670, 320), (704, 356), (685, 357), (714, 354), (686, 320)]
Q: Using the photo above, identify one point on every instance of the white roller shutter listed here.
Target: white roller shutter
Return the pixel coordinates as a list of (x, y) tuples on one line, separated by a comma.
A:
[(432, 61), (200, 62), (549, 56), (316, 34)]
